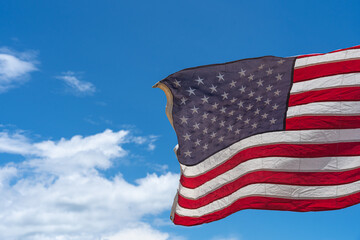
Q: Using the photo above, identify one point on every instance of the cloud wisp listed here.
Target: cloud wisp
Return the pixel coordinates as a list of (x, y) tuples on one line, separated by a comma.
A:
[(15, 68), (58, 192), (75, 85), (225, 238)]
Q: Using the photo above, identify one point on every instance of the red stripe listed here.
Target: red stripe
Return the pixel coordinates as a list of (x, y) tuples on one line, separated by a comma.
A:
[(276, 150), (323, 122), (325, 95), (269, 203), (289, 178), (326, 69), (317, 54)]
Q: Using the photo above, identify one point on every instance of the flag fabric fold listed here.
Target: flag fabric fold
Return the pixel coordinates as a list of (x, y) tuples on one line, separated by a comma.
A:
[(266, 133)]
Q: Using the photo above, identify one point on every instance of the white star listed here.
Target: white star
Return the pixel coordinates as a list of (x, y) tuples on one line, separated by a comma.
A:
[(213, 119), (260, 83), (187, 136), (205, 115), (205, 131), (232, 84), (233, 100), (257, 111), (223, 110), (249, 107), (230, 128), (177, 83), (197, 143), (183, 100), (221, 139), (184, 119), (258, 99), (269, 71), (277, 92), (199, 80), (239, 117), (242, 73), (247, 121), (205, 99), (268, 88), (222, 124), (241, 104), (212, 135), (213, 88), (275, 106), (279, 77), (225, 95), (251, 77), (261, 66), (187, 153), (194, 110), (191, 91), (272, 121), (205, 147), (242, 89), (237, 131), (265, 115), (281, 61), (267, 102), (215, 105), (251, 94), (196, 126), (231, 113), (220, 77), (254, 125)]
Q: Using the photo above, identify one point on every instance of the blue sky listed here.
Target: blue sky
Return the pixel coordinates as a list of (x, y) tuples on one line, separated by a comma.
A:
[(85, 145)]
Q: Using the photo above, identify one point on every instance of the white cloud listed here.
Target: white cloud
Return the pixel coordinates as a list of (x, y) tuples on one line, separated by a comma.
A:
[(93, 151), (77, 86), (15, 68), (150, 141), (57, 192), (15, 143), (151, 145), (142, 231)]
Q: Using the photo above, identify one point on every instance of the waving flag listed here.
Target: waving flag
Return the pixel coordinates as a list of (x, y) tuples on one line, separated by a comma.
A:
[(266, 133)]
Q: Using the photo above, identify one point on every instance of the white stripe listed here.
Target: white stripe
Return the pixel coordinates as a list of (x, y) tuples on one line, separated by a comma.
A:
[(329, 57), (284, 164), (341, 80), (301, 136), (325, 108), (274, 190)]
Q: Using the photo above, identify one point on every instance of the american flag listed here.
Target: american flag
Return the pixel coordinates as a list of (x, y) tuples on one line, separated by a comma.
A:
[(266, 133)]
